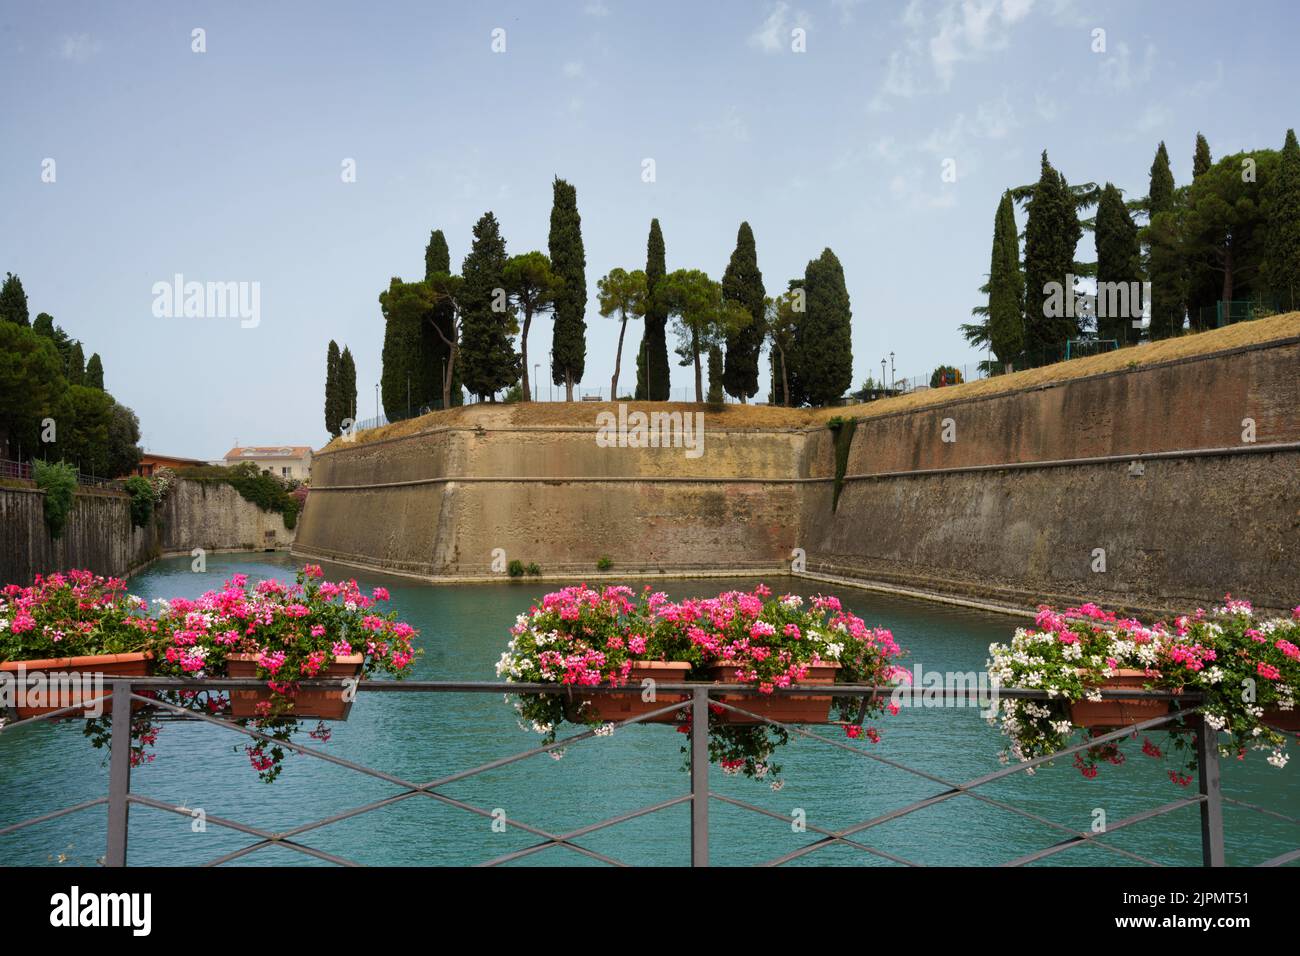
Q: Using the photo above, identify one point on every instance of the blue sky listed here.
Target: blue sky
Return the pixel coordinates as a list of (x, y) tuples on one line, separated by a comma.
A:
[(226, 165)]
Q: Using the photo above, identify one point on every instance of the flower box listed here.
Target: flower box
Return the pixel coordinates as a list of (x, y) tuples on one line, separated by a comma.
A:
[(314, 703), (1115, 712), (619, 707), (785, 708), (106, 665)]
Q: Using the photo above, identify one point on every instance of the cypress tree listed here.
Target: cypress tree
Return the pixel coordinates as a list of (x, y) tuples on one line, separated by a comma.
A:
[(569, 262), (654, 342), (1202, 283), (13, 301), (487, 356), (347, 390), (743, 283), (95, 372), (1006, 287), (716, 376), (405, 306), (1051, 234), (333, 395), (1119, 260), (1166, 267), (437, 261), (76, 365), (1282, 246), (824, 337)]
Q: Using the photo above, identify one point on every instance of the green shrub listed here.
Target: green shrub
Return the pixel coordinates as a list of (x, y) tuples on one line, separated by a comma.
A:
[(515, 569), (59, 482), (264, 490), (604, 564), (534, 570), (142, 494)]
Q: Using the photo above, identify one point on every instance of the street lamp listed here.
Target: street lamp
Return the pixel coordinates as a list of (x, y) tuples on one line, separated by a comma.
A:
[(376, 403), (882, 373), (536, 366), (891, 370)]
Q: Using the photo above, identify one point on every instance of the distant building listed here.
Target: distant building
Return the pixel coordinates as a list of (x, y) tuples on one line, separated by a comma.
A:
[(152, 461), (284, 461)]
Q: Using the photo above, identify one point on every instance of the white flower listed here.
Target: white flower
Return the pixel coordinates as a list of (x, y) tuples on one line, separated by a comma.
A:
[(1278, 758), (605, 730)]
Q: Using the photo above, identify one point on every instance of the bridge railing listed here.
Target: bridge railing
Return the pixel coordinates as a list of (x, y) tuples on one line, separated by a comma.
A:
[(696, 700)]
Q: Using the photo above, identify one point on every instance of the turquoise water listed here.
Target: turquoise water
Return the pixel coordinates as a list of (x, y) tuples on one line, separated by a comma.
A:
[(421, 737)]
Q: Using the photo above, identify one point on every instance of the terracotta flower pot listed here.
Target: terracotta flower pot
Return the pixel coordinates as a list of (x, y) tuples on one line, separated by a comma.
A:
[(107, 665), (786, 708), (309, 703), (1283, 719), (618, 707), (1115, 712)]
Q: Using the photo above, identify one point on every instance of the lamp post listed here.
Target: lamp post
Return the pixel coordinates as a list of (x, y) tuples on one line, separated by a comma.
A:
[(891, 370), (882, 373), (445, 390), (376, 403), (536, 366)]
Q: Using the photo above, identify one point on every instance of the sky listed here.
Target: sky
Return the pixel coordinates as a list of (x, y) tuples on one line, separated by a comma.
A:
[(885, 131)]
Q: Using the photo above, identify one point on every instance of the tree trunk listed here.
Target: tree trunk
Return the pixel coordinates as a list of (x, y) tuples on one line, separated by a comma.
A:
[(568, 385), (523, 345), (785, 382), (446, 381), (699, 381), (1227, 284), (618, 361)]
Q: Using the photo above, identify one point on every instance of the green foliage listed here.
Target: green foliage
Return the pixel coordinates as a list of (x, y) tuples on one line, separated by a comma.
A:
[(515, 568), (333, 395), (267, 491), (95, 372), (13, 301), (533, 288), (824, 340), (1006, 286), (31, 385), (534, 569), (1282, 255), (715, 395), (142, 500), (440, 328), (624, 294), (347, 387), (405, 381), (704, 317), (654, 345), (568, 259), (123, 452), (605, 563), (1201, 161), (743, 283), (945, 375), (488, 362), (1119, 259), (843, 429), (783, 316), (1051, 234), (76, 373), (59, 482)]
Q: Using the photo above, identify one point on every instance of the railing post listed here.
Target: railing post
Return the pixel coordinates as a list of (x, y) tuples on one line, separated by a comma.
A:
[(700, 777), (1207, 760), (119, 774)]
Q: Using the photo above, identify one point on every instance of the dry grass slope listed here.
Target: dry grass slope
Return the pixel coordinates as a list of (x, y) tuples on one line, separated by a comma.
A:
[(767, 417)]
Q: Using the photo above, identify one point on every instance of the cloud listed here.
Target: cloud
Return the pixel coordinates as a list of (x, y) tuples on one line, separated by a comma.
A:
[(846, 8), (730, 126), (773, 35), (78, 47), (596, 8), (573, 69)]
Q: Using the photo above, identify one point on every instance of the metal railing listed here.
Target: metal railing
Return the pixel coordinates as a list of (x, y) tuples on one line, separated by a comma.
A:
[(694, 702)]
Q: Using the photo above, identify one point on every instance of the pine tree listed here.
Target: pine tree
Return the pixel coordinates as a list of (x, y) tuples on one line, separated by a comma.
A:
[(76, 365), (95, 372), (1282, 248), (1006, 287), (743, 283), (1201, 161), (569, 262), (1051, 234), (333, 394), (654, 342), (1119, 260), (488, 360), (1165, 262), (347, 391), (13, 301), (824, 338)]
